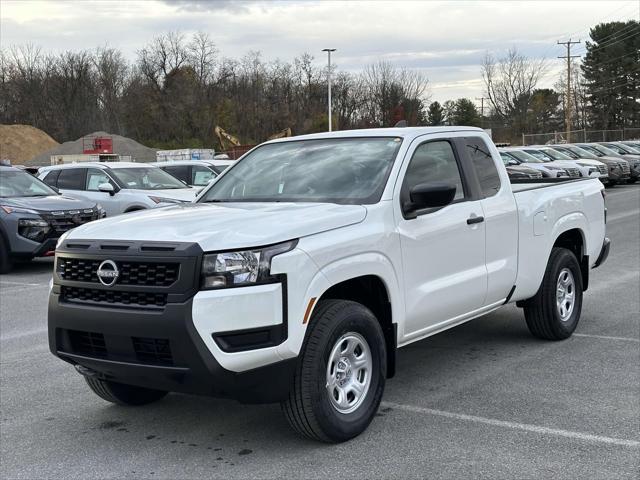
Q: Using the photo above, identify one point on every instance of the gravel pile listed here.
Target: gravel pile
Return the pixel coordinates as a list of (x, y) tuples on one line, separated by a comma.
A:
[(121, 146), (20, 143)]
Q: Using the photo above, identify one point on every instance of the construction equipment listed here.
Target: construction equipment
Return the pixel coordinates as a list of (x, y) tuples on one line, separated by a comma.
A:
[(281, 134), (226, 139), (97, 145)]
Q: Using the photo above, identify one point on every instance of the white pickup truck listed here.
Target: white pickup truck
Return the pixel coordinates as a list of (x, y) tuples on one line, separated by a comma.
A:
[(300, 271)]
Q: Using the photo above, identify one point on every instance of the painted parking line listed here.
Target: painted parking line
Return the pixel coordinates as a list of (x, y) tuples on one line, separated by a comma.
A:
[(607, 337), (20, 284), (515, 425), (622, 216), (28, 333)]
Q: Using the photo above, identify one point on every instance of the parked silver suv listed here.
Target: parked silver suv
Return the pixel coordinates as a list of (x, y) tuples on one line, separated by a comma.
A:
[(120, 187)]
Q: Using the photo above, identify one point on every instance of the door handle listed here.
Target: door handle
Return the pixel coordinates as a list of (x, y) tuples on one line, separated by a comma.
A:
[(472, 220)]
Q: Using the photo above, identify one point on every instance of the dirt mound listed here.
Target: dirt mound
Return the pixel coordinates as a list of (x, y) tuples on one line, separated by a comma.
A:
[(20, 143), (121, 146)]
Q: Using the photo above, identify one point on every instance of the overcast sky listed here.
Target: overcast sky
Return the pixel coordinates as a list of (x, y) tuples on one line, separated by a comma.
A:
[(447, 40)]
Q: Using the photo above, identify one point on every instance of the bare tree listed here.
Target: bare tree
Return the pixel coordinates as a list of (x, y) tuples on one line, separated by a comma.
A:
[(509, 84), (388, 90)]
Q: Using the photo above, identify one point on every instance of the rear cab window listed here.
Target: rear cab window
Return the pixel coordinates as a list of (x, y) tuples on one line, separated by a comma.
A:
[(484, 166)]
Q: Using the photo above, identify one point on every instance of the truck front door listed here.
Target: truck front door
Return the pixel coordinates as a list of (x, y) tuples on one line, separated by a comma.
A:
[(443, 250)]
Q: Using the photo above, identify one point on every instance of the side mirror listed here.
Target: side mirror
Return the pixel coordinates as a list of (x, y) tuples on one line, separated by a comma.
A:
[(430, 195), (107, 188)]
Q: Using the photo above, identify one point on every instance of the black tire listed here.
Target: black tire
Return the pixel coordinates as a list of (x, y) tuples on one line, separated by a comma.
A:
[(541, 311), (122, 394), (632, 180), (308, 408), (5, 259)]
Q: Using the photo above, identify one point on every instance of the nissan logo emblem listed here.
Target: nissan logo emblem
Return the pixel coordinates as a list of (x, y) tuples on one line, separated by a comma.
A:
[(108, 273)]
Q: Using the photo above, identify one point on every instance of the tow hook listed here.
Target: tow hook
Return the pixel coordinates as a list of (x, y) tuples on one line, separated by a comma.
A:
[(87, 372)]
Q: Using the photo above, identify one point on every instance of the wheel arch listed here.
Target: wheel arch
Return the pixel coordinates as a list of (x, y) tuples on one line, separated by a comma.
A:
[(574, 240), (371, 291)]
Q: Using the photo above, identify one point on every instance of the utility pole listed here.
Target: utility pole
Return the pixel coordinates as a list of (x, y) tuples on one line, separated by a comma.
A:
[(567, 109), (482, 99), (329, 50)]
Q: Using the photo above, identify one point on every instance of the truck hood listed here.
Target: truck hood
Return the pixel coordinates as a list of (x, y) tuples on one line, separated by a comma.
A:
[(48, 203), (224, 226)]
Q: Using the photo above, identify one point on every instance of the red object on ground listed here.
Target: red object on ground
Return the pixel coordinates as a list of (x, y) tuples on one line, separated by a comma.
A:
[(97, 145)]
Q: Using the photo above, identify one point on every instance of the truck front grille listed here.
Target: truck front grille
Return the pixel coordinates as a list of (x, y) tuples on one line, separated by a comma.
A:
[(603, 169), (573, 172), (625, 168), (130, 273), (113, 298)]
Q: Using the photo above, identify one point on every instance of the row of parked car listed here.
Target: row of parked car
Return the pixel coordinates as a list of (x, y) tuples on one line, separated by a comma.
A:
[(611, 162), (37, 207)]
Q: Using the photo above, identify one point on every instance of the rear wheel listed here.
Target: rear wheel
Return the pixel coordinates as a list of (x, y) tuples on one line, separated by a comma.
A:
[(122, 394), (553, 313), (341, 375)]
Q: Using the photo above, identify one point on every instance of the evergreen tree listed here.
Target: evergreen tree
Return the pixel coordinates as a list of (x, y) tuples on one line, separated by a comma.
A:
[(435, 114), (611, 69)]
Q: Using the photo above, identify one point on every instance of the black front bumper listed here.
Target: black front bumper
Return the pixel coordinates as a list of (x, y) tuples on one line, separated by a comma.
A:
[(157, 349)]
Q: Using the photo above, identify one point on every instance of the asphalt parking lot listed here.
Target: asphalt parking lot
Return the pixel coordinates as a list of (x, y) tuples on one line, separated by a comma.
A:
[(485, 399)]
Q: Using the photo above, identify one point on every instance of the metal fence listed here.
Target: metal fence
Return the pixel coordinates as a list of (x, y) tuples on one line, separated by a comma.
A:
[(581, 136)]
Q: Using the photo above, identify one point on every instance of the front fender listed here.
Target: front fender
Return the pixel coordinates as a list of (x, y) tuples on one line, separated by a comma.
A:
[(338, 271)]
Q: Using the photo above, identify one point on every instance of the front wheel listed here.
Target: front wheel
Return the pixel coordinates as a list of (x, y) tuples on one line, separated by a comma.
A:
[(553, 313), (338, 384)]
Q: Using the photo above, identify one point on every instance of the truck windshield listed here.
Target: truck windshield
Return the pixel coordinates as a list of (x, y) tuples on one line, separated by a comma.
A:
[(524, 156), (14, 183), (147, 178), (334, 170)]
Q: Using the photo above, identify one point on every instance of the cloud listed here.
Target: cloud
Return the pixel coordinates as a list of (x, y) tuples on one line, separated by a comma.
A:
[(445, 40)]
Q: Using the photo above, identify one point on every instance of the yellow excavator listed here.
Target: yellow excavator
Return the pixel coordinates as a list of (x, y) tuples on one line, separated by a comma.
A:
[(227, 141)]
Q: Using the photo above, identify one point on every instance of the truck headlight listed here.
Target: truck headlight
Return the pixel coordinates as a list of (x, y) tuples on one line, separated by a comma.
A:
[(241, 267), (33, 229)]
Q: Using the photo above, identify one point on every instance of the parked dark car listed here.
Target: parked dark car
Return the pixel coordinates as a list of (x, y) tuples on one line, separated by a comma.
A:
[(33, 216), (516, 170), (616, 167), (630, 154), (604, 152)]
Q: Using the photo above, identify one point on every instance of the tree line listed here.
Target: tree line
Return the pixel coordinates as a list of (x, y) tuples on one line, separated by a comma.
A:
[(180, 87)]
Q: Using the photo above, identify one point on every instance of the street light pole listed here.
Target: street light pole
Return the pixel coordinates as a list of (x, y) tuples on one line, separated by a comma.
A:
[(329, 50)]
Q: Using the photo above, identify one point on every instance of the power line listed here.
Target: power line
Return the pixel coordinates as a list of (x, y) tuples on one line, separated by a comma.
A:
[(613, 41), (567, 110)]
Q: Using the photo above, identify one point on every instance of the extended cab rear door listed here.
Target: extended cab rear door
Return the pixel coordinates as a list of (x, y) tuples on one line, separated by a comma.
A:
[(500, 215), (443, 250)]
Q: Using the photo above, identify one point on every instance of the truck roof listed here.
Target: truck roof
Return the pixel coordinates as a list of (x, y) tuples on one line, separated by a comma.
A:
[(403, 132)]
